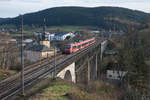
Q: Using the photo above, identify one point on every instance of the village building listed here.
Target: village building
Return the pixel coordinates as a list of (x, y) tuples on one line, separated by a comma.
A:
[(51, 37), (39, 51), (94, 31), (115, 72), (42, 35), (64, 35), (54, 35)]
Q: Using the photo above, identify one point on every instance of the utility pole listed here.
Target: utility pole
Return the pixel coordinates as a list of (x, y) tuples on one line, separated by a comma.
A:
[(7, 55), (101, 58), (44, 25), (22, 57), (54, 59), (4, 58), (44, 29), (54, 44), (96, 66)]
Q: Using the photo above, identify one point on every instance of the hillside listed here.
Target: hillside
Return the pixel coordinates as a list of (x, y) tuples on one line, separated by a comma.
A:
[(144, 37), (3, 19), (103, 17)]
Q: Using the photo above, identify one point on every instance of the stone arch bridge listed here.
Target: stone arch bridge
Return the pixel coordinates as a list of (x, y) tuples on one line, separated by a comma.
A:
[(84, 67)]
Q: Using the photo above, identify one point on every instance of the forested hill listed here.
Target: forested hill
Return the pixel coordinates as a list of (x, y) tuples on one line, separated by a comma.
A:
[(104, 17), (3, 19)]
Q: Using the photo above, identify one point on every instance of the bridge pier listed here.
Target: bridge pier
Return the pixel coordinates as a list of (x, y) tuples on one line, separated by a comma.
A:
[(96, 65), (89, 71)]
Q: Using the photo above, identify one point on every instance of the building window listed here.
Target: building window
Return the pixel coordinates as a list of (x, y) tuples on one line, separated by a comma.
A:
[(110, 76)]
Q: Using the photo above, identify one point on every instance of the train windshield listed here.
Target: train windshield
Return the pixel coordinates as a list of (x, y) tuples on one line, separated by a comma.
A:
[(68, 46)]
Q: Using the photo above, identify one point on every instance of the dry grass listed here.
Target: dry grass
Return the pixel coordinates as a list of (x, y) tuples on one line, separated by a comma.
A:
[(6, 73), (58, 89), (63, 90), (103, 91)]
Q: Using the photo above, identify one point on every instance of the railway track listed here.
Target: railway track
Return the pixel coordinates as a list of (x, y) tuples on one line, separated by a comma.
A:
[(34, 73), (13, 82)]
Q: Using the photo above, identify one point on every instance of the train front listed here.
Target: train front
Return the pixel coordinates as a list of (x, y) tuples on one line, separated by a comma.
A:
[(68, 49)]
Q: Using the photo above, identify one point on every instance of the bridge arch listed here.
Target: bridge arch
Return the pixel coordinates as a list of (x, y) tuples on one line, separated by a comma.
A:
[(68, 76), (68, 73)]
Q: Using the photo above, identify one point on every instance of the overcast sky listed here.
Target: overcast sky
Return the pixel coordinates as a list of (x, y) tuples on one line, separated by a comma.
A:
[(12, 8)]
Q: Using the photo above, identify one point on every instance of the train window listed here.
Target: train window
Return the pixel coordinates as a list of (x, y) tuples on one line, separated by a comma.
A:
[(68, 46), (73, 47), (91, 41), (79, 46)]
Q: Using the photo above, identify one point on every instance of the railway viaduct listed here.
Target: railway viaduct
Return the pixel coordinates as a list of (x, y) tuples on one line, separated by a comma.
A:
[(81, 66), (85, 68)]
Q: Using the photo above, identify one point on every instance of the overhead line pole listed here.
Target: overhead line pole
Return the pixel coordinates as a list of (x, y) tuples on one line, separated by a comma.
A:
[(54, 44), (55, 58), (22, 57)]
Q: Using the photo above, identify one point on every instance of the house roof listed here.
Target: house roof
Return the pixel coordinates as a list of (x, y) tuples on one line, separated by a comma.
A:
[(40, 48), (114, 66), (27, 40), (61, 33)]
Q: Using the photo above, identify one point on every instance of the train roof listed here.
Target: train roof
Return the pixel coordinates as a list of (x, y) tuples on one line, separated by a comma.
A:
[(81, 41)]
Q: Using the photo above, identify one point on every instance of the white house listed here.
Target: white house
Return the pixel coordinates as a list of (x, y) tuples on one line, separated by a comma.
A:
[(55, 36), (94, 31), (27, 41), (115, 74), (63, 35), (42, 34), (37, 33), (51, 37)]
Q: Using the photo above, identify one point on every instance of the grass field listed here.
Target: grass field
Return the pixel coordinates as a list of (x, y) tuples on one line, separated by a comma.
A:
[(69, 28), (65, 28), (29, 32), (54, 90), (57, 89)]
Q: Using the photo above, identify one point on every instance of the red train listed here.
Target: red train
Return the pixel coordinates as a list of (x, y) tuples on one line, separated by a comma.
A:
[(70, 48)]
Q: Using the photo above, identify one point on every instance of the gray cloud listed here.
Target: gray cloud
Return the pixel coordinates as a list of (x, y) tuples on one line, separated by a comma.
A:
[(5, 0), (29, 1)]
